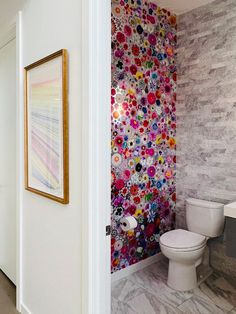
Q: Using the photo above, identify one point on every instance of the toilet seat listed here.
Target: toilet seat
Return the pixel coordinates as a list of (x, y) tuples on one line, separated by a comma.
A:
[(183, 240)]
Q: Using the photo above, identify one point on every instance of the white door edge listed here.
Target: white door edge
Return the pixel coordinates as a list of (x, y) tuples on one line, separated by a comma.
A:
[(96, 77), (20, 161)]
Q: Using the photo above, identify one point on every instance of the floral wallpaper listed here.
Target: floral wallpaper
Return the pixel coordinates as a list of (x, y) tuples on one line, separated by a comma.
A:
[(143, 97)]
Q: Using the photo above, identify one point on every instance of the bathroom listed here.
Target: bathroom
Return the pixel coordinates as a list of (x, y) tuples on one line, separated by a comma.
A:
[(173, 144)]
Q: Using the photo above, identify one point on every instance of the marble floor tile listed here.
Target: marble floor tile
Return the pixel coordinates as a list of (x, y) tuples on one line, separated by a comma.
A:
[(160, 268), (223, 287), (146, 292), (118, 307), (158, 287), (218, 291), (124, 290), (147, 303), (197, 305)]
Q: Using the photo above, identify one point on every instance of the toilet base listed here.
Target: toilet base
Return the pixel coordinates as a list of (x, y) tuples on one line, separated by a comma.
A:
[(203, 272), (182, 277)]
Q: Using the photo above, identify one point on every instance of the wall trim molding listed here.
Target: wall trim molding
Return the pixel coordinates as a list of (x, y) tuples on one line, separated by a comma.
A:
[(19, 170), (123, 273), (24, 309), (96, 157)]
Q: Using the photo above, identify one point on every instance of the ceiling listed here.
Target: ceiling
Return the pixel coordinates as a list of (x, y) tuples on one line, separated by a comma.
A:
[(181, 6), (8, 10)]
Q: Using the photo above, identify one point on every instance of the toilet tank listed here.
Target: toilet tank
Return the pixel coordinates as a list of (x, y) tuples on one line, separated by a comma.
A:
[(204, 217)]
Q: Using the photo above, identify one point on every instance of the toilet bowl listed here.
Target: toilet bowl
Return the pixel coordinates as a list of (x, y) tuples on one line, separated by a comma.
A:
[(185, 248)]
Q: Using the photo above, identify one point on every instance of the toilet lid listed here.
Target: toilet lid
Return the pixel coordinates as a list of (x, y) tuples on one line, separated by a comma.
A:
[(182, 239)]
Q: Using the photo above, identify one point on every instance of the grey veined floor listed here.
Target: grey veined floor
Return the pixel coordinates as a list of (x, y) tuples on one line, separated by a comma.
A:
[(7, 296), (146, 292)]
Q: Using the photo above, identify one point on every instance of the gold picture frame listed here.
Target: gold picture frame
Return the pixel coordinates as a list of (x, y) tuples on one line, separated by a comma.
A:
[(46, 127)]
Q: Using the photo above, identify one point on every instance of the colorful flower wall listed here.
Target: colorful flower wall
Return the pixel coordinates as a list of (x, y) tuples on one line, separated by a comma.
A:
[(143, 127)]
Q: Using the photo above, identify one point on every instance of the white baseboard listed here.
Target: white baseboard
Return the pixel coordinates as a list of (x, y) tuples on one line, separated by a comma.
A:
[(121, 273), (136, 267), (25, 310)]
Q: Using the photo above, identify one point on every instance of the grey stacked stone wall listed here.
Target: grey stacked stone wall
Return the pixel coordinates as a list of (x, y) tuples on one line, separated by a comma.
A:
[(206, 112)]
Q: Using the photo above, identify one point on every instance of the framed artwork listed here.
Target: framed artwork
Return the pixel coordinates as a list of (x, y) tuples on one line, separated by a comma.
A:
[(46, 127)]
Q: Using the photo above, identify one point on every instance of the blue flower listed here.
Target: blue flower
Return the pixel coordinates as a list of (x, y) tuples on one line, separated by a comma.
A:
[(142, 186), (154, 126), (153, 206), (151, 215), (154, 75), (159, 184), (116, 254)]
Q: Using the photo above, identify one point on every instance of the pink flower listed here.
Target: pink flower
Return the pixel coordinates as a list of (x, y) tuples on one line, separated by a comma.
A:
[(127, 30), (152, 39), (150, 151), (151, 19), (119, 53), (125, 204), (125, 105), (133, 69), (150, 229), (131, 209), (170, 36), (119, 184), (119, 140), (168, 174), (151, 171), (126, 174), (152, 136), (134, 123), (127, 61), (120, 37), (154, 115), (151, 98)]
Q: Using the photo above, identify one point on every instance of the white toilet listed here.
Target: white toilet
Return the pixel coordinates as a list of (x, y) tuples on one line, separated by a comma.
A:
[(185, 248)]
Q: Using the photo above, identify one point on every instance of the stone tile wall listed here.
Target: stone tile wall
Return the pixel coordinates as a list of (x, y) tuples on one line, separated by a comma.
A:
[(206, 112)]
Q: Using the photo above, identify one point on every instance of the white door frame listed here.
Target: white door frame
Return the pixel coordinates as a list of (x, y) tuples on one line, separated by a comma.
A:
[(7, 34), (96, 78), (20, 159)]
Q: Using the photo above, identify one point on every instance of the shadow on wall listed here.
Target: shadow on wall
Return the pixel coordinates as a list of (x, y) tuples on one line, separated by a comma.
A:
[(143, 128)]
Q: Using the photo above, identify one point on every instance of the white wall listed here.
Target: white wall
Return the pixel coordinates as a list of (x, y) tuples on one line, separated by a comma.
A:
[(51, 232), (8, 159)]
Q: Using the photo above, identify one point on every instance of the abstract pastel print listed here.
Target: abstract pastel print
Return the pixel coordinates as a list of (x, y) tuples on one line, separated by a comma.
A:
[(143, 144), (45, 128)]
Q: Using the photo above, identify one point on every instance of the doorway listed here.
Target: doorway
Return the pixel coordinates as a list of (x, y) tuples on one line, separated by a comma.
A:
[(8, 177)]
